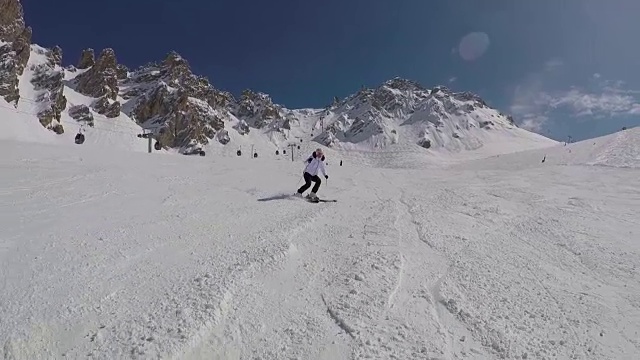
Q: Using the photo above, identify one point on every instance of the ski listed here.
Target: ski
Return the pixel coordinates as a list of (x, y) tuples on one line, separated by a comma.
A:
[(322, 200)]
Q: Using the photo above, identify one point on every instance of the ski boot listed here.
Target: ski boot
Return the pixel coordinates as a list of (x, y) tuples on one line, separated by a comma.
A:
[(312, 197)]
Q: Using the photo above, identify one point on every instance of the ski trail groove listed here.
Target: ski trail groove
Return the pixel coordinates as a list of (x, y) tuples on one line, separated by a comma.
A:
[(338, 320), (399, 281), (431, 292), (402, 268), (234, 329), (242, 280)]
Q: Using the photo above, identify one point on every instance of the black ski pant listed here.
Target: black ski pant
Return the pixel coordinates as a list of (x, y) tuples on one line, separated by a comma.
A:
[(308, 178)]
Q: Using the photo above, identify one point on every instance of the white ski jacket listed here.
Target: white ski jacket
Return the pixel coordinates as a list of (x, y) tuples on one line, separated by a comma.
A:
[(315, 165)]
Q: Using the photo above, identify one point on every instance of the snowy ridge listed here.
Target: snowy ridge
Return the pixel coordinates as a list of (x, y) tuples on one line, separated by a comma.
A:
[(185, 113), (621, 150), (188, 115), (617, 150), (401, 112)]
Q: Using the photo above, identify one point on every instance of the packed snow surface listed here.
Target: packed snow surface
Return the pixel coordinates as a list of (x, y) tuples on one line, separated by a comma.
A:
[(119, 254)]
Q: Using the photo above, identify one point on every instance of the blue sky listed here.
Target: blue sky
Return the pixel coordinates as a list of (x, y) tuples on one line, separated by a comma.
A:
[(561, 67)]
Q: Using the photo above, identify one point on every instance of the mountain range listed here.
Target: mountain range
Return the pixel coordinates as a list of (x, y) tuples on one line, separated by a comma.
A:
[(183, 111)]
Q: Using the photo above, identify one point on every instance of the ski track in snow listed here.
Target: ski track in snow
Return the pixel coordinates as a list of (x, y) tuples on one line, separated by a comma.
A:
[(142, 256)]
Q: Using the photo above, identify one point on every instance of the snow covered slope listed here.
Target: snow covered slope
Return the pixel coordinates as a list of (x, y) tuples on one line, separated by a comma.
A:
[(106, 134), (21, 121), (618, 150), (129, 255)]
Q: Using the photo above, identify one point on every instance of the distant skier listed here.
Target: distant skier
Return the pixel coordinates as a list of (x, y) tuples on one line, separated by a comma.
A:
[(315, 164)]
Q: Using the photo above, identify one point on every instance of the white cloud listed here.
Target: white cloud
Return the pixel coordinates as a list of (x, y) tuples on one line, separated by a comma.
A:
[(533, 122), (608, 101), (453, 79), (533, 103)]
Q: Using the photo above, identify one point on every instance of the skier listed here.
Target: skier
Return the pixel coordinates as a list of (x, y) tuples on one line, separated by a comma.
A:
[(315, 164)]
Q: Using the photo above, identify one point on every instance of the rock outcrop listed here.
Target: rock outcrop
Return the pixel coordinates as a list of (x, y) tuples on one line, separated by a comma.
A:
[(11, 20), (107, 107), (47, 81), (257, 109), (122, 72), (184, 110), (101, 82), (15, 42), (87, 59), (81, 113), (102, 78)]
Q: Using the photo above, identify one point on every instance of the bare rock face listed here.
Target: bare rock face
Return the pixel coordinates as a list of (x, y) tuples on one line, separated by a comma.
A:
[(9, 72), (257, 109), (122, 72), (102, 79), (87, 59), (101, 82), (82, 114), (155, 103), (47, 81), (189, 121), (11, 20), (385, 98), (184, 109), (14, 53), (107, 107)]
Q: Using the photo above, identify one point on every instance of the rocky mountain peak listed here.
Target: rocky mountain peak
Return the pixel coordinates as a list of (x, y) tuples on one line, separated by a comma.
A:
[(55, 56), (15, 42), (176, 68), (101, 82), (403, 84), (398, 96), (11, 20), (403, 108), (101, 79), (87, 59), (466, 96), (257, 109), (107, 59), (441, 90), (184, 109), (250, 95), (469, 96), (174, 59)]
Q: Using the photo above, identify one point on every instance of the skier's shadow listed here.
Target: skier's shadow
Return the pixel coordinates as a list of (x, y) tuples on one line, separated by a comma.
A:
[(275, 197)]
